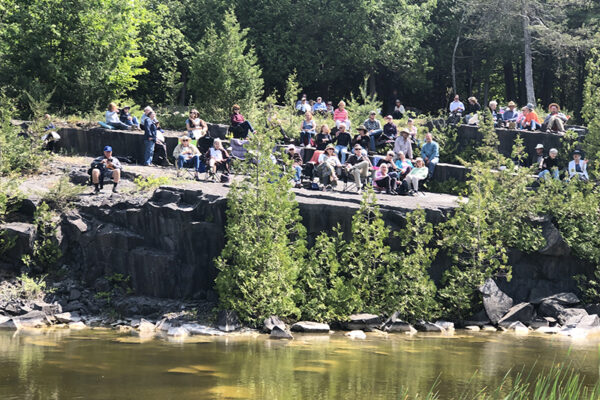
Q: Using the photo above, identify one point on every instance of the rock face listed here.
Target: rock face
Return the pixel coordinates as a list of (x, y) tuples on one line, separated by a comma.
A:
[(24, 235), (394, 324), (495, 301), (278, 333), (228, 321), (423, 326), (310, 327), (555, 243), (522, 312)]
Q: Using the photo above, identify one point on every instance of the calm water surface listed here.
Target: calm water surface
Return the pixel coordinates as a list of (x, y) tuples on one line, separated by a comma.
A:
[(100, 364)]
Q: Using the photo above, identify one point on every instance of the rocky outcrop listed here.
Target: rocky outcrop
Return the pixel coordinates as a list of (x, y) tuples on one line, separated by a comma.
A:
[(273, 321), (310, 327), (227, 321), (23, 235), (365, 322), (495, 301)]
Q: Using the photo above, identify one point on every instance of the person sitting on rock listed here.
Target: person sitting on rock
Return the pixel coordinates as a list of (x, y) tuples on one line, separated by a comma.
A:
[(403, 166), (374, 129), (358, 166), (323, 137), (510, 116), (531, 121), (308, 129), (326, 170), (196, 127), (187, 156), (330, 109), (384, 181), (239, 125), (412, 130), (430, 153), (473, 107), (303, 107), (457, 106), (112, 118), (296, 164), (362, 138), (128, 119), (340, 115), (416, 175), (218, 159), (403, 144), (555, 121), (578, 167), (536, 159), (342, 140), (496, 116), (399, 110), (390, 130), (549, 166), (106, 166), (319, 106)]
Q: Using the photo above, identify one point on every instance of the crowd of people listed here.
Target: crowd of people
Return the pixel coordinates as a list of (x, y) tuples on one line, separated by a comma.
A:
[(551, 167), (509, 117)]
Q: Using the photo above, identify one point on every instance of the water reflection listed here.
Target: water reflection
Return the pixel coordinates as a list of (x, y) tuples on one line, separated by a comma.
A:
[(102, 364)]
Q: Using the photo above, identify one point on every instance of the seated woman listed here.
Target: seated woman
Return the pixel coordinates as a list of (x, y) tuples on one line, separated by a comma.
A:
[(578, 167), (187, 156), (328, 162), (530, 120), (195, 126), (390, 130), (308, 129), (340, 116), (412, 130), (296, 164), (473, 107), (399, 110), (112, 118), (403, 166), (239, 125), (383, 180), (126, 118), (323, 137), (218, 159), (549, 166), (342, 139), (416, 175)]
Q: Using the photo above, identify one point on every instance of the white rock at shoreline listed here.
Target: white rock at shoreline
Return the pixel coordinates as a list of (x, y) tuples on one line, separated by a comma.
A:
[(356, 334)]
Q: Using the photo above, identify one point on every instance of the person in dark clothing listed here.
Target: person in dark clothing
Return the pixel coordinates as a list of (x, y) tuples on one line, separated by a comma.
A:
[(323, 137), (390, 130), (535, 160), (296, 164), (151, 127), (342, 142), (550, 166), (239, 125), (126, 118), (473, 107), (362, 138), (105, 166), (358, 165)]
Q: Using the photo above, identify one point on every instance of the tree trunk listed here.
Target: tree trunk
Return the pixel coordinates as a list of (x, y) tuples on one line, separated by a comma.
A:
[(509, 81), (528, 57), (454, 62), (372, 84), (486, 90), (183, 92)]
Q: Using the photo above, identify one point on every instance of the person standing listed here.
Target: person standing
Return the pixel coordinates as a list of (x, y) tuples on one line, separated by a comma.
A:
[(150, 134)]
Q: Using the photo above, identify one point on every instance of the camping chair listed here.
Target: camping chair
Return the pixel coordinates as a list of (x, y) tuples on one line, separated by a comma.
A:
[(349, 183), (308, 169)]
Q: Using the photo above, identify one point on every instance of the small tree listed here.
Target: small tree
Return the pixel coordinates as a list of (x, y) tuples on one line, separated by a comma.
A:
[(225, 71), (265, 246), (591, 106)]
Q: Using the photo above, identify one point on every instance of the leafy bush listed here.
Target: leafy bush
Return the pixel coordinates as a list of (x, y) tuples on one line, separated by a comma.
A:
[(25, 287), (360, 107), (265, 246), (63, 194), (150, 183), (46, 252)]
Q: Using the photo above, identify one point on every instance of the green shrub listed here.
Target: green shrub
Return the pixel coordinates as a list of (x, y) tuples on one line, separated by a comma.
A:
[(63, 194), (150, 183), (46, 251)]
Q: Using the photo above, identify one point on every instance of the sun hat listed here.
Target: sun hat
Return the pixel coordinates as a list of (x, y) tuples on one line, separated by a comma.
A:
[(330, 146), (403, 131), (512, 104), (554, 105), (530, 106), (361, 128), (539, 146)]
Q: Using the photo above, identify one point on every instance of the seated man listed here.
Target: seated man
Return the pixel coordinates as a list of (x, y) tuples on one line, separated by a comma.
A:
[(326, 170), (374, 129), (342, 140), (399, 110), (358, 166), (296, 164), (457, 106), (319, 107), (536, 159), (550, 166), (303, 107), (555, 121), (496, 116), (578, 167), (187, 156), (105, 166), (403, 144), (430, 153), (510, 116), (390, 130), (362, 138)]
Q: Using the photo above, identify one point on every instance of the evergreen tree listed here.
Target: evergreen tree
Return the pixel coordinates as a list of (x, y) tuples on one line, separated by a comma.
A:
[(225, 72), (591, 112), (265, 244)]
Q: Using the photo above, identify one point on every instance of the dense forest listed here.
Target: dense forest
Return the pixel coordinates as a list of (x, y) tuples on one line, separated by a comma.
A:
[(81, 54)]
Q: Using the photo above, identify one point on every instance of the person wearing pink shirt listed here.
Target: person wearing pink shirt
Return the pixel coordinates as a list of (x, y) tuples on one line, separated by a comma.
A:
[(340, 115)]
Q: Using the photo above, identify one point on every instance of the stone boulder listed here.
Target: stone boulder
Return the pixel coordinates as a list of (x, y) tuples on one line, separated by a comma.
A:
[(423, 326), (571, 316), (518, 327), (556, 245), (539, 323), (564, 299), (198, 329), (365, 322), (278, 333), (178, 332), (310, 327), (67, 317), (495, 301), (48, 309), (7, 323), (522, 312), (447, 326), (228, 321), (33, 319), (146, 326), (478, 319), (272, 322), (356, 334), (77, 325), (588, 322), (24, 236), (395, 324)]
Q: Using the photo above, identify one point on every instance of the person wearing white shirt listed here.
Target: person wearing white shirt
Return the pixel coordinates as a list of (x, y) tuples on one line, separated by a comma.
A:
[(457, 106), (577, 166)]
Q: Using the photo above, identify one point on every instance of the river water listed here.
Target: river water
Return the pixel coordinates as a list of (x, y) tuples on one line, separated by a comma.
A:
[(103, 364)]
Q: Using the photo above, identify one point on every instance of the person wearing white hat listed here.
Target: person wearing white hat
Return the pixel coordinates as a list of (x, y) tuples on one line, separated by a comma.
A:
[(536, 158), (296, 164)]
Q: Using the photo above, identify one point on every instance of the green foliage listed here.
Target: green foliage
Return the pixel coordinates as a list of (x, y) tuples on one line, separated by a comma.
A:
[(63, 194), (343, 277), (225, 71), (89, 55), (150, 183), (25, 288), (265, 246), (591, 112), (360, 107), (19, 154), (46, 252)]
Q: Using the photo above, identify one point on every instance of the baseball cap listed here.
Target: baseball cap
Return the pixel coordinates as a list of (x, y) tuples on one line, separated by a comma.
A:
[(107, 148)]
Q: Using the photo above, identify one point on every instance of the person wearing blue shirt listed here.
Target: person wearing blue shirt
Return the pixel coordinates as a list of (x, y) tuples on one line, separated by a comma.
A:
[(511, 114), (430, 153), (319, 106)]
